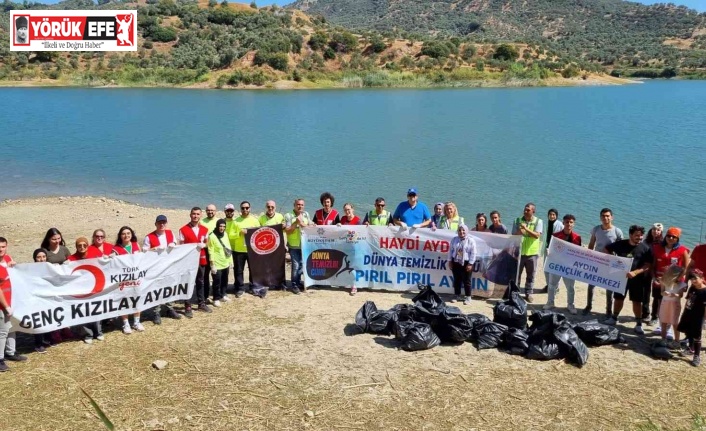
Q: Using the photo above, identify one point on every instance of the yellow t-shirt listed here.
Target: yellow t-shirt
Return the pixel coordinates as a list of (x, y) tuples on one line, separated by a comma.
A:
[(216, 251), (240, 224), (209, 223), (274, 221)]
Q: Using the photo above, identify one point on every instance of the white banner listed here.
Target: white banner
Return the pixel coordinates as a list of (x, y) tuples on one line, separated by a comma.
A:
[(48, 297), (381, 257), (593, 267)]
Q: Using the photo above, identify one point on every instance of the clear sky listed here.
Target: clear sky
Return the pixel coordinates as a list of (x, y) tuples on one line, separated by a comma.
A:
[(699, 5)]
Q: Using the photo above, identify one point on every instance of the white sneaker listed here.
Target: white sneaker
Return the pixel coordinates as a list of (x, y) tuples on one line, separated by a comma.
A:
[(571, 309), (138, 327), (226, 299), (467, 300), (548, 306), (639, 330), (126, 328), (216, 303), (670, 334), (658, 330), (100, 338), (610, 321), (88, 340)]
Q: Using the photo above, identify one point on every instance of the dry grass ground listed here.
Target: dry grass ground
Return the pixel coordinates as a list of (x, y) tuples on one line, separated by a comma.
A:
[(285, 363)]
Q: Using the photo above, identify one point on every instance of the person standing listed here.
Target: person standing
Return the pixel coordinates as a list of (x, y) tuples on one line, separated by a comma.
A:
[(99, 246), (436, 217), (326, 215), (553, 226), (161, 239), (531, 228), (378, 216), (601, 236), (231, 234), (654, 236), (481, 223), (462, 255), (91, 330), (7, 338), (566, 234), (450, 220), (667, 252), (125, 244), (349, 217), (639, 277), (54, 243), (196, 233), (242, 223), (41, 341), (219, 252), (496, 224), (294, 221), (271, 216), (412, 213), (210, 222), (692, 319), (5, 259)]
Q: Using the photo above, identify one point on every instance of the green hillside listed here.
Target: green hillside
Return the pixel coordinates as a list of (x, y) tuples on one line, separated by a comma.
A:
[(608, 32)]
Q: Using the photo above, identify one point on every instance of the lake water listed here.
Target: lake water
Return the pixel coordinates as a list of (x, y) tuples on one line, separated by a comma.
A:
[(638, 149)]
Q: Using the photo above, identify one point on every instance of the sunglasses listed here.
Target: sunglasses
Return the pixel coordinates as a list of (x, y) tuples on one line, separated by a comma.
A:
[(380, 205), (270, 207), (82, 245), (230, 211)]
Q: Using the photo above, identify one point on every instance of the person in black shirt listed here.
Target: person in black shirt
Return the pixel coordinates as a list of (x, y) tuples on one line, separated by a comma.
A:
[(639, 276), (692, 319)]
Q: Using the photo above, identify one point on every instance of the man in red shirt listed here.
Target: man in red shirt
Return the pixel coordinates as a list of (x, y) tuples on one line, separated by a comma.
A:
[(5, 259), (7, 338), (698, 259), (566, 234), (195, 233)]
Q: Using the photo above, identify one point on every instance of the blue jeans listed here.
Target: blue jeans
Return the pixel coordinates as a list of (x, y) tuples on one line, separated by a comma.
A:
[(296, 255)]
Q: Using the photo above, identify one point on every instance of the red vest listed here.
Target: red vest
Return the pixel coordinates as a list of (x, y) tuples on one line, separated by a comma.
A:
[(664, 260), (189, 238), (120, 250), (154, 239), (328, 220), (6, 286), (96, 252)]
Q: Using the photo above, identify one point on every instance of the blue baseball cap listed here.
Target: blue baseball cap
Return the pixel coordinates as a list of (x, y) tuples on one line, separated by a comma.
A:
[(161, 218), (412, 191)]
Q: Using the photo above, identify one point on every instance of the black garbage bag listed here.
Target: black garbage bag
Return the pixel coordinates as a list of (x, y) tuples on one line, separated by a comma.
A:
[(460, 329), (420, 337), (570, 344), (511, 287), (382, 322), (594, 333), (362, 317), (660, 350), (512, 312), (401, 327), (428, 299), (542, 317), (489, 335), (476, 319), (544, 349), (516, 342), (405, 311)]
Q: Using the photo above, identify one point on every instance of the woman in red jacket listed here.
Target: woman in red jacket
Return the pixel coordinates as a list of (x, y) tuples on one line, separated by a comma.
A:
[(100, 247), (125, 244)]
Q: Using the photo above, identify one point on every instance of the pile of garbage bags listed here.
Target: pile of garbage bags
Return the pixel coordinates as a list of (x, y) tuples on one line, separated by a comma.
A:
[(429, 322)]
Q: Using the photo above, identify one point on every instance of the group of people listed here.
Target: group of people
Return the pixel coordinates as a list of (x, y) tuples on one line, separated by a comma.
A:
[(222, 247)]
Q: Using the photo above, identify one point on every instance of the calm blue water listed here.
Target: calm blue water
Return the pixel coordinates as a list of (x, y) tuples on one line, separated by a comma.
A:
[(638, 149)]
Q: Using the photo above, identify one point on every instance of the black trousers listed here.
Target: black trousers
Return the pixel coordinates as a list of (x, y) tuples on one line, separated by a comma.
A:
[(461, 278), (240, 259), (220, 282), (199, 293), (207, 276)]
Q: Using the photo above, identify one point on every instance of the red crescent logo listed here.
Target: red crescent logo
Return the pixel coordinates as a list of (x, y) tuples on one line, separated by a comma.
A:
[(97, 274)]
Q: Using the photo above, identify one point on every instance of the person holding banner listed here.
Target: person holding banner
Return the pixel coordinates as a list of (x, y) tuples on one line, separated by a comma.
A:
[(293, 222), (667, 252), (379, 216), (161, 239), (601, 236), (553, 226), (91, 330), (692, 320), (412, 212), (125, 244), (240, 250), (462, 255), (196, 233), (54, 243), (271, 216), (450, 220), (219, 252), (7, 338), (496, 225), (566, 234), (639, 277), (349, 217), (100, 247), (531, 228), (41, 341), (326, 215)]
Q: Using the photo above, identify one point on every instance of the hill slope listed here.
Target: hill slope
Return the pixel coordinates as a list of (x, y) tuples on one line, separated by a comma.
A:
[(611, 32)]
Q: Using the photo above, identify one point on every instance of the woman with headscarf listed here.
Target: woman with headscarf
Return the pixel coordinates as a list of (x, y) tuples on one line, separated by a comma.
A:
[(219, 254), (126, 243), (450, 219), (666, 253), (462, 257), (436, 217)]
